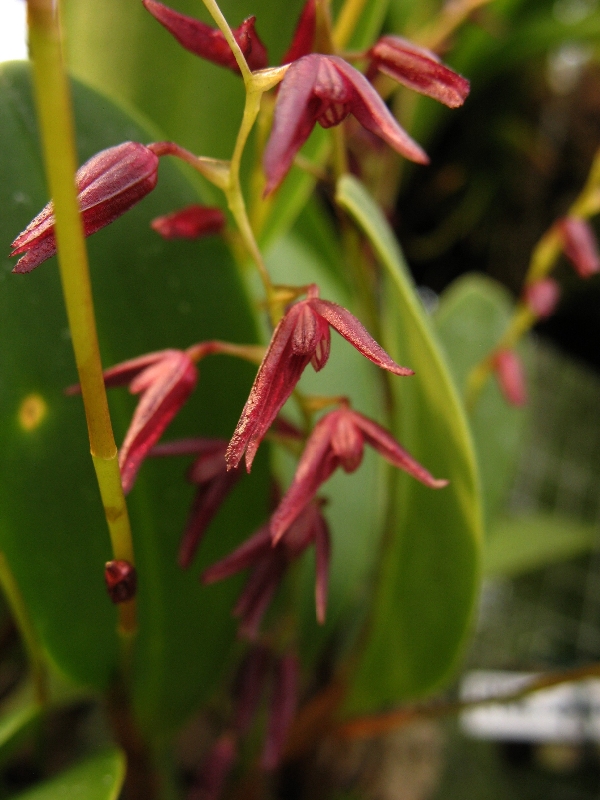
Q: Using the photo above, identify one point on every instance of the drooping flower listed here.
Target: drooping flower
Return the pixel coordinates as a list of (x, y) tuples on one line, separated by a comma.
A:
[(121, 580), (419, 69), (304, 35), (191, 222), (302, 336), (580, 245), (510, 376), (248, 687), (325, 89), (338, 440), (214, 481), (282, 710), (270, 562), (542, 297), (217, 765), (165, 380), (209, 43), (108, 185)]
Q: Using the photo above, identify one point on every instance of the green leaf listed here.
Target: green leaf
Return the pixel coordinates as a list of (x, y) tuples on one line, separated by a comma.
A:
[(97, 778), (149, 295), (472, 316), (430, 568), (18, 713), (524, 543)]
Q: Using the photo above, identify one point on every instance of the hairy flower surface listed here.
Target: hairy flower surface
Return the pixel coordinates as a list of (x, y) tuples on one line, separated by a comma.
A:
[(580, 245), (338, 440), (325, 89), (302, 336), (269, 564), (419, 69), (214, 481), (108, 185), (191, 222), (209, 43), (511, 377), (164, 380)]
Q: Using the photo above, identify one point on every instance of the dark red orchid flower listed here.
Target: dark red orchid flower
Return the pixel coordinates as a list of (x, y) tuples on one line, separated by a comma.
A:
[(417, 68), (270, 562), (338, 440), (304, 35), (209, 43), (302, 336), (325, 89), (191, 222), (165, 380), (511, 377), (214, 481), (542, 297), (282, 709), (580, 245), (108, 185)]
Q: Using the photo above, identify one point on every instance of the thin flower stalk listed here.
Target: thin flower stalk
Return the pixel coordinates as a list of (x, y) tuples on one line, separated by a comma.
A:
[(346, 22), (54, 108), (543, 260)]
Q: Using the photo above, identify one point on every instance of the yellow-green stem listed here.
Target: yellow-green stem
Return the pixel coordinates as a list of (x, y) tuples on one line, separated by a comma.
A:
[(54, 109), (346, 22), (216, 13), (15, 601)]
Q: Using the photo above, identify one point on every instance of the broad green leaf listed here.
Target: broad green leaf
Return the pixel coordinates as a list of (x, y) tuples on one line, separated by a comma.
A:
[(97, 778), (430, 568), (149, 295), (472, 316), (524, 543)]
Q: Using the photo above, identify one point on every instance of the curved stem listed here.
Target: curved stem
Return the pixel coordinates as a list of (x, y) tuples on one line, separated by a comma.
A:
[(216, 13), (54, 109)]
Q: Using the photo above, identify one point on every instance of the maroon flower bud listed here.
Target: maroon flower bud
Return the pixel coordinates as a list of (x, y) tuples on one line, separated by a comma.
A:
[(209, 43), (121, 580), (190, 223), (215, 769), (579, 245), (511, 379), (301, 337), (249, 684), (542, 297), (419, 69), (304, 35), (108, 185), (325, 89)]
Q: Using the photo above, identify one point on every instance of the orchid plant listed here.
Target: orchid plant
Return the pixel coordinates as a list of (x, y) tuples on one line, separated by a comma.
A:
[(377, 611)]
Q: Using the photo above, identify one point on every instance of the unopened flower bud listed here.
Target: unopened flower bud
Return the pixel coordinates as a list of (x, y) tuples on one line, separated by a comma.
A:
[(190, 223), (580, 245), (511, 378), (542, 297), (121, 580), (108, 185)]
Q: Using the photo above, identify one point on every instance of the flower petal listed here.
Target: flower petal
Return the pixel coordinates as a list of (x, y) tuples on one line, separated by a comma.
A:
[(304, 35), (580, 245), (419, 69), (392, 451), (348, 326), (293, 119), (511, 378), (284, 701), (247, 554), (173, 380), (373, 114), (191, 222), (323, 556)]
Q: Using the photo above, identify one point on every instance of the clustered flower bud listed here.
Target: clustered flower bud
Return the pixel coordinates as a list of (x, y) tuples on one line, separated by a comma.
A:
[(511, 377), (542, 297), (580, 245)]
